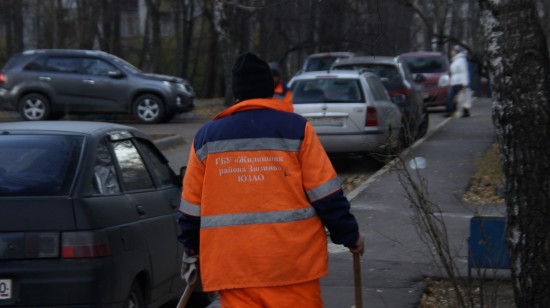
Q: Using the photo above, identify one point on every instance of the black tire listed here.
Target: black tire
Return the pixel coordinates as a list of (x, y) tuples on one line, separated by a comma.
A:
[(149, 108), (35, 107), (135, 297), (423, 128)]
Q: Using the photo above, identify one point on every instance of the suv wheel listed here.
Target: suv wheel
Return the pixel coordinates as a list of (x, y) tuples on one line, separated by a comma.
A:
[(135, 298), (148, 108), (34, 107)]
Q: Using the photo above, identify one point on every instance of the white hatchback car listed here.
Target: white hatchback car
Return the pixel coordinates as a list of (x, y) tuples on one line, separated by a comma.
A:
[(351, 111)]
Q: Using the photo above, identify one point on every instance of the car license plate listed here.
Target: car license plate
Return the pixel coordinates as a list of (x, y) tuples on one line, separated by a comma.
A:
[(5, 289), (327, 121)]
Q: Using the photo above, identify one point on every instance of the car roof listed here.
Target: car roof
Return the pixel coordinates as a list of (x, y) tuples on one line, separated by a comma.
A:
[(332, 73), (64, 52), (421, 53), (72, 127), (366, 59), (331, 53)]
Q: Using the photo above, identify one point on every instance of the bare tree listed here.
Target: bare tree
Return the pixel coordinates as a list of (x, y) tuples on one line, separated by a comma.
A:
[(519, 66), (109, 36), (12, 19), (153, 16)]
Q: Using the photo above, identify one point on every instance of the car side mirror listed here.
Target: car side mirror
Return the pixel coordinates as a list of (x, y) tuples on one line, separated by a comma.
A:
[(420, 78), (398, 98), (115, 74)]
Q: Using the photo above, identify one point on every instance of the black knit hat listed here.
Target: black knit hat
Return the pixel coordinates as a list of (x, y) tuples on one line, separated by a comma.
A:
[(251, 78)]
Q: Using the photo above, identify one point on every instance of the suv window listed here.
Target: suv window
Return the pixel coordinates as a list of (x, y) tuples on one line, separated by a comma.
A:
[(132, 168), (326, 90), (15, 61), (94, 66), (36, 64), (34, 165), (62, 64)]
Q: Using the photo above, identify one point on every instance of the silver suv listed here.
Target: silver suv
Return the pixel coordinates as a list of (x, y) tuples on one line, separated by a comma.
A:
[(49, 83)]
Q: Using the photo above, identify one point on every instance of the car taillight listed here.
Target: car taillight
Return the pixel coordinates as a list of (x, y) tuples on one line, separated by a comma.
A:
[(2, 78), (85, 244), (371, 117), (403, 91)]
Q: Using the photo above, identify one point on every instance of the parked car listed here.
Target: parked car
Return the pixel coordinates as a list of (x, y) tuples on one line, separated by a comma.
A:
[(397, 79), (47, 84), (88, 217), (430, 70), (322, 61), (351, 111)]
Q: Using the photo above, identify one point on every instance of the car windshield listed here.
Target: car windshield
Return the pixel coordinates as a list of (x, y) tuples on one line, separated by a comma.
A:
[(310, 91), (127, 65), (319, 63), (38, 165), (426, 64)]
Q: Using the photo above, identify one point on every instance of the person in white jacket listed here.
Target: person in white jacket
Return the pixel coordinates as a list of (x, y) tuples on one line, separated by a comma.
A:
[(459, 78)]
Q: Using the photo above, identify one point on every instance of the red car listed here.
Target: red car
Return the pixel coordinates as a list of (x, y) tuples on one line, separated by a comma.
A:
[(430, 70)]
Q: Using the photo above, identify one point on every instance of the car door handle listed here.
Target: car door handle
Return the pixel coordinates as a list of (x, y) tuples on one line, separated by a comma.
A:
[(88, 81), (44, 78)]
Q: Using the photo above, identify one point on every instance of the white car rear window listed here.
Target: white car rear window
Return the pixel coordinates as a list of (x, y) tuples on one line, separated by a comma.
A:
[(310, 91)]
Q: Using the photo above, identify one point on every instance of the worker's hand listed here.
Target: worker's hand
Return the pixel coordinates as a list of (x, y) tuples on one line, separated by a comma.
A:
[(359, 246), (188, 265)]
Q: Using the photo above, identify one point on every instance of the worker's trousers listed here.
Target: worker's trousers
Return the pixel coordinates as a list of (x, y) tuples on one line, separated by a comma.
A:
[(303, 295)]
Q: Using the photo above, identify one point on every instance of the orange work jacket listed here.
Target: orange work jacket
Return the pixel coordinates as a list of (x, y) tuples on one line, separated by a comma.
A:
[(252, 175), (282, 93)]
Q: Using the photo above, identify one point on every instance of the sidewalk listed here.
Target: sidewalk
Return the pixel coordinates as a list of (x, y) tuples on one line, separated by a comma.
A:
[(396, 260)]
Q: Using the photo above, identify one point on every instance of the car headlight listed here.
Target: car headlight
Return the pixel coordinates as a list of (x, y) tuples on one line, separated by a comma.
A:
[(186, 88), (443, 80)]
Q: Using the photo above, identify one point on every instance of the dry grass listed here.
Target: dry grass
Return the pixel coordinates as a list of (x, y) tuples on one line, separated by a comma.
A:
[(486, 182)]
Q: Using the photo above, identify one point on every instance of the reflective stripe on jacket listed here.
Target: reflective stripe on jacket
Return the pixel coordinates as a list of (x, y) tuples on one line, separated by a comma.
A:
[(258, 182)]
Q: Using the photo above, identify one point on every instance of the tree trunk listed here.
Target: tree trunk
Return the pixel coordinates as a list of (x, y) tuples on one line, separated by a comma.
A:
[(228, 55), (153, 15), (519, 67), (87, 12)]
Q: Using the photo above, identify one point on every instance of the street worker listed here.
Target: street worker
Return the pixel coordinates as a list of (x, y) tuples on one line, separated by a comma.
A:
[(281, 90), (257, 193)]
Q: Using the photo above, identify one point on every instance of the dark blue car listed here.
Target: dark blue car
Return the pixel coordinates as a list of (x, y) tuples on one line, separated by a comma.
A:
[(88, 217)]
